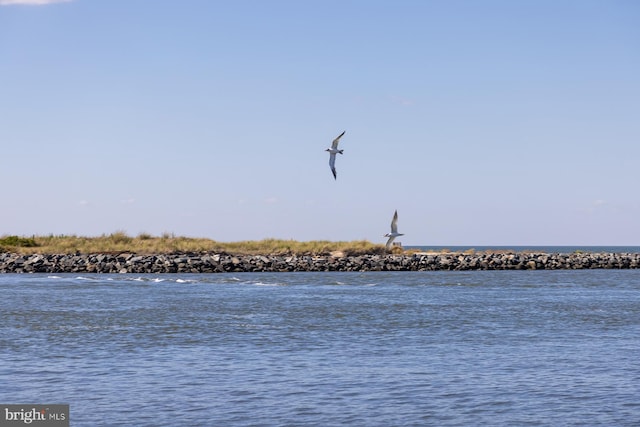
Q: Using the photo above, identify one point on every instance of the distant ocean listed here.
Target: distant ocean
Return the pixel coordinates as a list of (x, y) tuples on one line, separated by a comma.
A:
[(542, 249)]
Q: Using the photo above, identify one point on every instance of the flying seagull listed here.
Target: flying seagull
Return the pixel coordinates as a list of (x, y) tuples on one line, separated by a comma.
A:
[(332, 154), (394, 230)]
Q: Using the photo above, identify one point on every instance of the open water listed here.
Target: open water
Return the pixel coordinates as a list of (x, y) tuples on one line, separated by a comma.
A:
[(499, 348), (543, 249)]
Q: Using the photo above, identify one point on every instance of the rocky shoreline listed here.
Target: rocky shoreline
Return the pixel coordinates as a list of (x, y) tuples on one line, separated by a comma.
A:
[(221, 263)]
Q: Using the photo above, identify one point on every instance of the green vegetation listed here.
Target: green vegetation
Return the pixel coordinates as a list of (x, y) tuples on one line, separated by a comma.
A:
[(17, 242), (169, 243)]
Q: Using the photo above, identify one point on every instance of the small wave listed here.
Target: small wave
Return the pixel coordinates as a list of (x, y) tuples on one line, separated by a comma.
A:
[(335, 283), (223, 279), (54, 277), (264, 284), (186, 281)]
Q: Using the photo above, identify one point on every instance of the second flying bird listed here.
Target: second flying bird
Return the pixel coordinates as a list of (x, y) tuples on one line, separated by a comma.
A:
[(332, 154)]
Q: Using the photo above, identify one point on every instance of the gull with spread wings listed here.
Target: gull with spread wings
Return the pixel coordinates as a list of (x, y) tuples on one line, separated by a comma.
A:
[(332, 154), (394, 230)]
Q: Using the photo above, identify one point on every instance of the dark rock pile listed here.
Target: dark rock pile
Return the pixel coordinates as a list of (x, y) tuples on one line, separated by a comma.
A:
[(219, 263)]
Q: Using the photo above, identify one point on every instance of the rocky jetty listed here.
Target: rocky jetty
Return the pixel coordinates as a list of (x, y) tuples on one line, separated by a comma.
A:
[(219, 263)]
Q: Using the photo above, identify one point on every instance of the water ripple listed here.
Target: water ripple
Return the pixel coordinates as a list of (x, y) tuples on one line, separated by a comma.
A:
[(466, 348)]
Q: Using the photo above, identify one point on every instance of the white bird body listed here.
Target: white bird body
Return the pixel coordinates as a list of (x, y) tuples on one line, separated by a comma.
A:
[(394, 230), (332, 154)]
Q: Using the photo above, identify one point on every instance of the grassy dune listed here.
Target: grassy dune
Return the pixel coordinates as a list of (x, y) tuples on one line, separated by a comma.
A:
[(148, 244)]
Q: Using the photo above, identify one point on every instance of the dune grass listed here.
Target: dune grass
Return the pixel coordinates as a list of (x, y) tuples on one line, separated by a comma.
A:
[(168, 243)]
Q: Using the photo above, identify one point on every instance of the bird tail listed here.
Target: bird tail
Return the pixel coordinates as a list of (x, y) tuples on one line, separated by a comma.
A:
[(340, 151)]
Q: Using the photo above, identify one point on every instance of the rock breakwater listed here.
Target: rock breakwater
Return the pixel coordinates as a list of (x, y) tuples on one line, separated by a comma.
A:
[(220, 263)]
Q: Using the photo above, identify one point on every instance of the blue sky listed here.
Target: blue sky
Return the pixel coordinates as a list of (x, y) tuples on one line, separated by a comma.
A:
[(481, 122)]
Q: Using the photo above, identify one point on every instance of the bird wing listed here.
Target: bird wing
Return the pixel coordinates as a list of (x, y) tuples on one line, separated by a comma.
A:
[(389, 241), (332, 164), (334, 144), (394, 223)]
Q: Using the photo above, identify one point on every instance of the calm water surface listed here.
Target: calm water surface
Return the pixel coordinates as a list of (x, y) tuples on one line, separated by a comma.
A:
[(373, 349)]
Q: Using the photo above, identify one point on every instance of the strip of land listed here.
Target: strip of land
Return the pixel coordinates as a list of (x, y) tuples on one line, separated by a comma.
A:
[(120, 253)]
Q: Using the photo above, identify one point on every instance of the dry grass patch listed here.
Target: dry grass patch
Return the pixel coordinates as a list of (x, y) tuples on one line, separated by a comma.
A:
[(145, 243)]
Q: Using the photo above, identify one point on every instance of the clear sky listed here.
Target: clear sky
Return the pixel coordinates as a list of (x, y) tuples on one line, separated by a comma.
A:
[(481, 122)]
